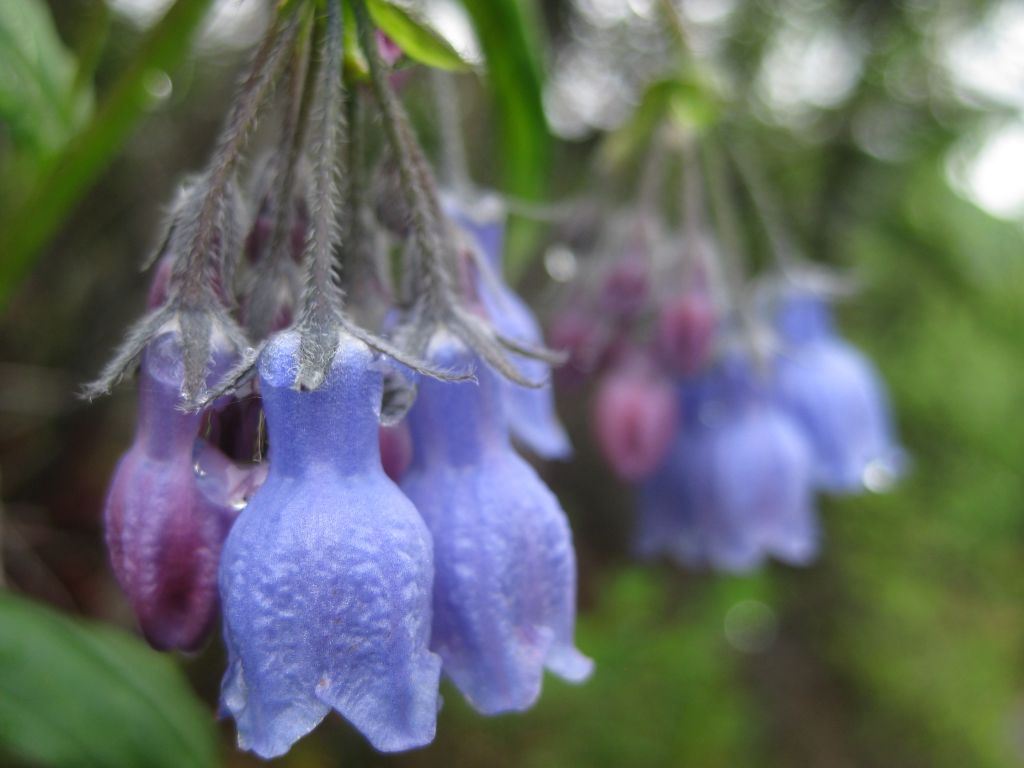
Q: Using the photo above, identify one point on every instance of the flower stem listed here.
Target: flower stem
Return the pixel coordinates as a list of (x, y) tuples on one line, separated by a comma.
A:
[(453, 149), (433, 278), (266, 65), (731, 247), (783, 249), (323, 301), (293, 136)]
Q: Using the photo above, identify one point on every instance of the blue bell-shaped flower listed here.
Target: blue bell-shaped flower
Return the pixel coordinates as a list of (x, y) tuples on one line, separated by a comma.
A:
[(505, 584), (170, 505), (737, 484), (530, 411), (326, 577), (837, 397)]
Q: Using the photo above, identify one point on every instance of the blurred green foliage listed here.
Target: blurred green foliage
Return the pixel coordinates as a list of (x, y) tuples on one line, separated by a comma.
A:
[(39, 101), (72, 166), (76, 694)]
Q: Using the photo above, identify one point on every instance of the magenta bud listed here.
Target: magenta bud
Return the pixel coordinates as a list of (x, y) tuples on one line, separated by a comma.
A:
[(396, 450), (161, 282), (686, 331), (160, 286), (172, 500), (626, 287), (636, 415), (258, 240), (388, 49), (585, 339)]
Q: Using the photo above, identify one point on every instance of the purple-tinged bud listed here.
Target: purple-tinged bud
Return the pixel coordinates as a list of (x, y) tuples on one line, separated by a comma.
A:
[(160, 283), (327, 575), (686, 332), (635, 417), (389, 50), (585, 339), (395, 450), (838, 398), (483, 219), (170, 505), (257, 242), (626, 287), (505, 585)]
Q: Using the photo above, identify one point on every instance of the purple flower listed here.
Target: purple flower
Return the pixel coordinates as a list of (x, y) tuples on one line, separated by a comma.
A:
[(837, 397), (505, 585), (530, 411), (171, 503), (737, 484), (326, 577)]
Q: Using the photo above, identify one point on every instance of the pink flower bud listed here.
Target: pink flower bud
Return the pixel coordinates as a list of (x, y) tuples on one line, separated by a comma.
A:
[(395, 450), (636, 415), (686, 331)]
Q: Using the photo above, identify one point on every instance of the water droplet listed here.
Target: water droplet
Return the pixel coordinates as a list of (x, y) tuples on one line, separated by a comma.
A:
[(560, 263), (878, 476), (159, 84), (750, 626)]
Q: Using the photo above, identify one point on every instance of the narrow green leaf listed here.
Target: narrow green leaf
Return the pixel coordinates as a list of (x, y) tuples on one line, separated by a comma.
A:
[(83, 695), (507, 38), (414, 34), (30, 225)]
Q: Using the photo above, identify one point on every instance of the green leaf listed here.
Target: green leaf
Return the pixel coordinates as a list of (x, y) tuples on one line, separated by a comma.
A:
[(416, 37), (30, 225), (509, 42), (83, 695), (38, 101)]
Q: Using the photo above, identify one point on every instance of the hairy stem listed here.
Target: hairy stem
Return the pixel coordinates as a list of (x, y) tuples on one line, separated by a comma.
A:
[(323, 302), (416, 178), (266, 65), (293, 135)]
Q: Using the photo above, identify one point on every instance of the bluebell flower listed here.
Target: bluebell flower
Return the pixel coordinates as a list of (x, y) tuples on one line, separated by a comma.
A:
[(505, 584), (530, 411), (736, 486), (326, 576), (837, 396), (170, 505)]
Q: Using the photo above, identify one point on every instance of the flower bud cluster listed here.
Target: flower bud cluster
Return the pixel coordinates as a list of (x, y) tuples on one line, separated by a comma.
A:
[(354, 556), (725, 413)]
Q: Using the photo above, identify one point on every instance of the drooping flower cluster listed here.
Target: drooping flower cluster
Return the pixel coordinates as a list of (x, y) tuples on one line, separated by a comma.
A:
[(263, 474), (726, 411)]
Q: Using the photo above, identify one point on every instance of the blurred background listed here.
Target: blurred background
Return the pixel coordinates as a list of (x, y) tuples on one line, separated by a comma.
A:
[(892, 134)]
